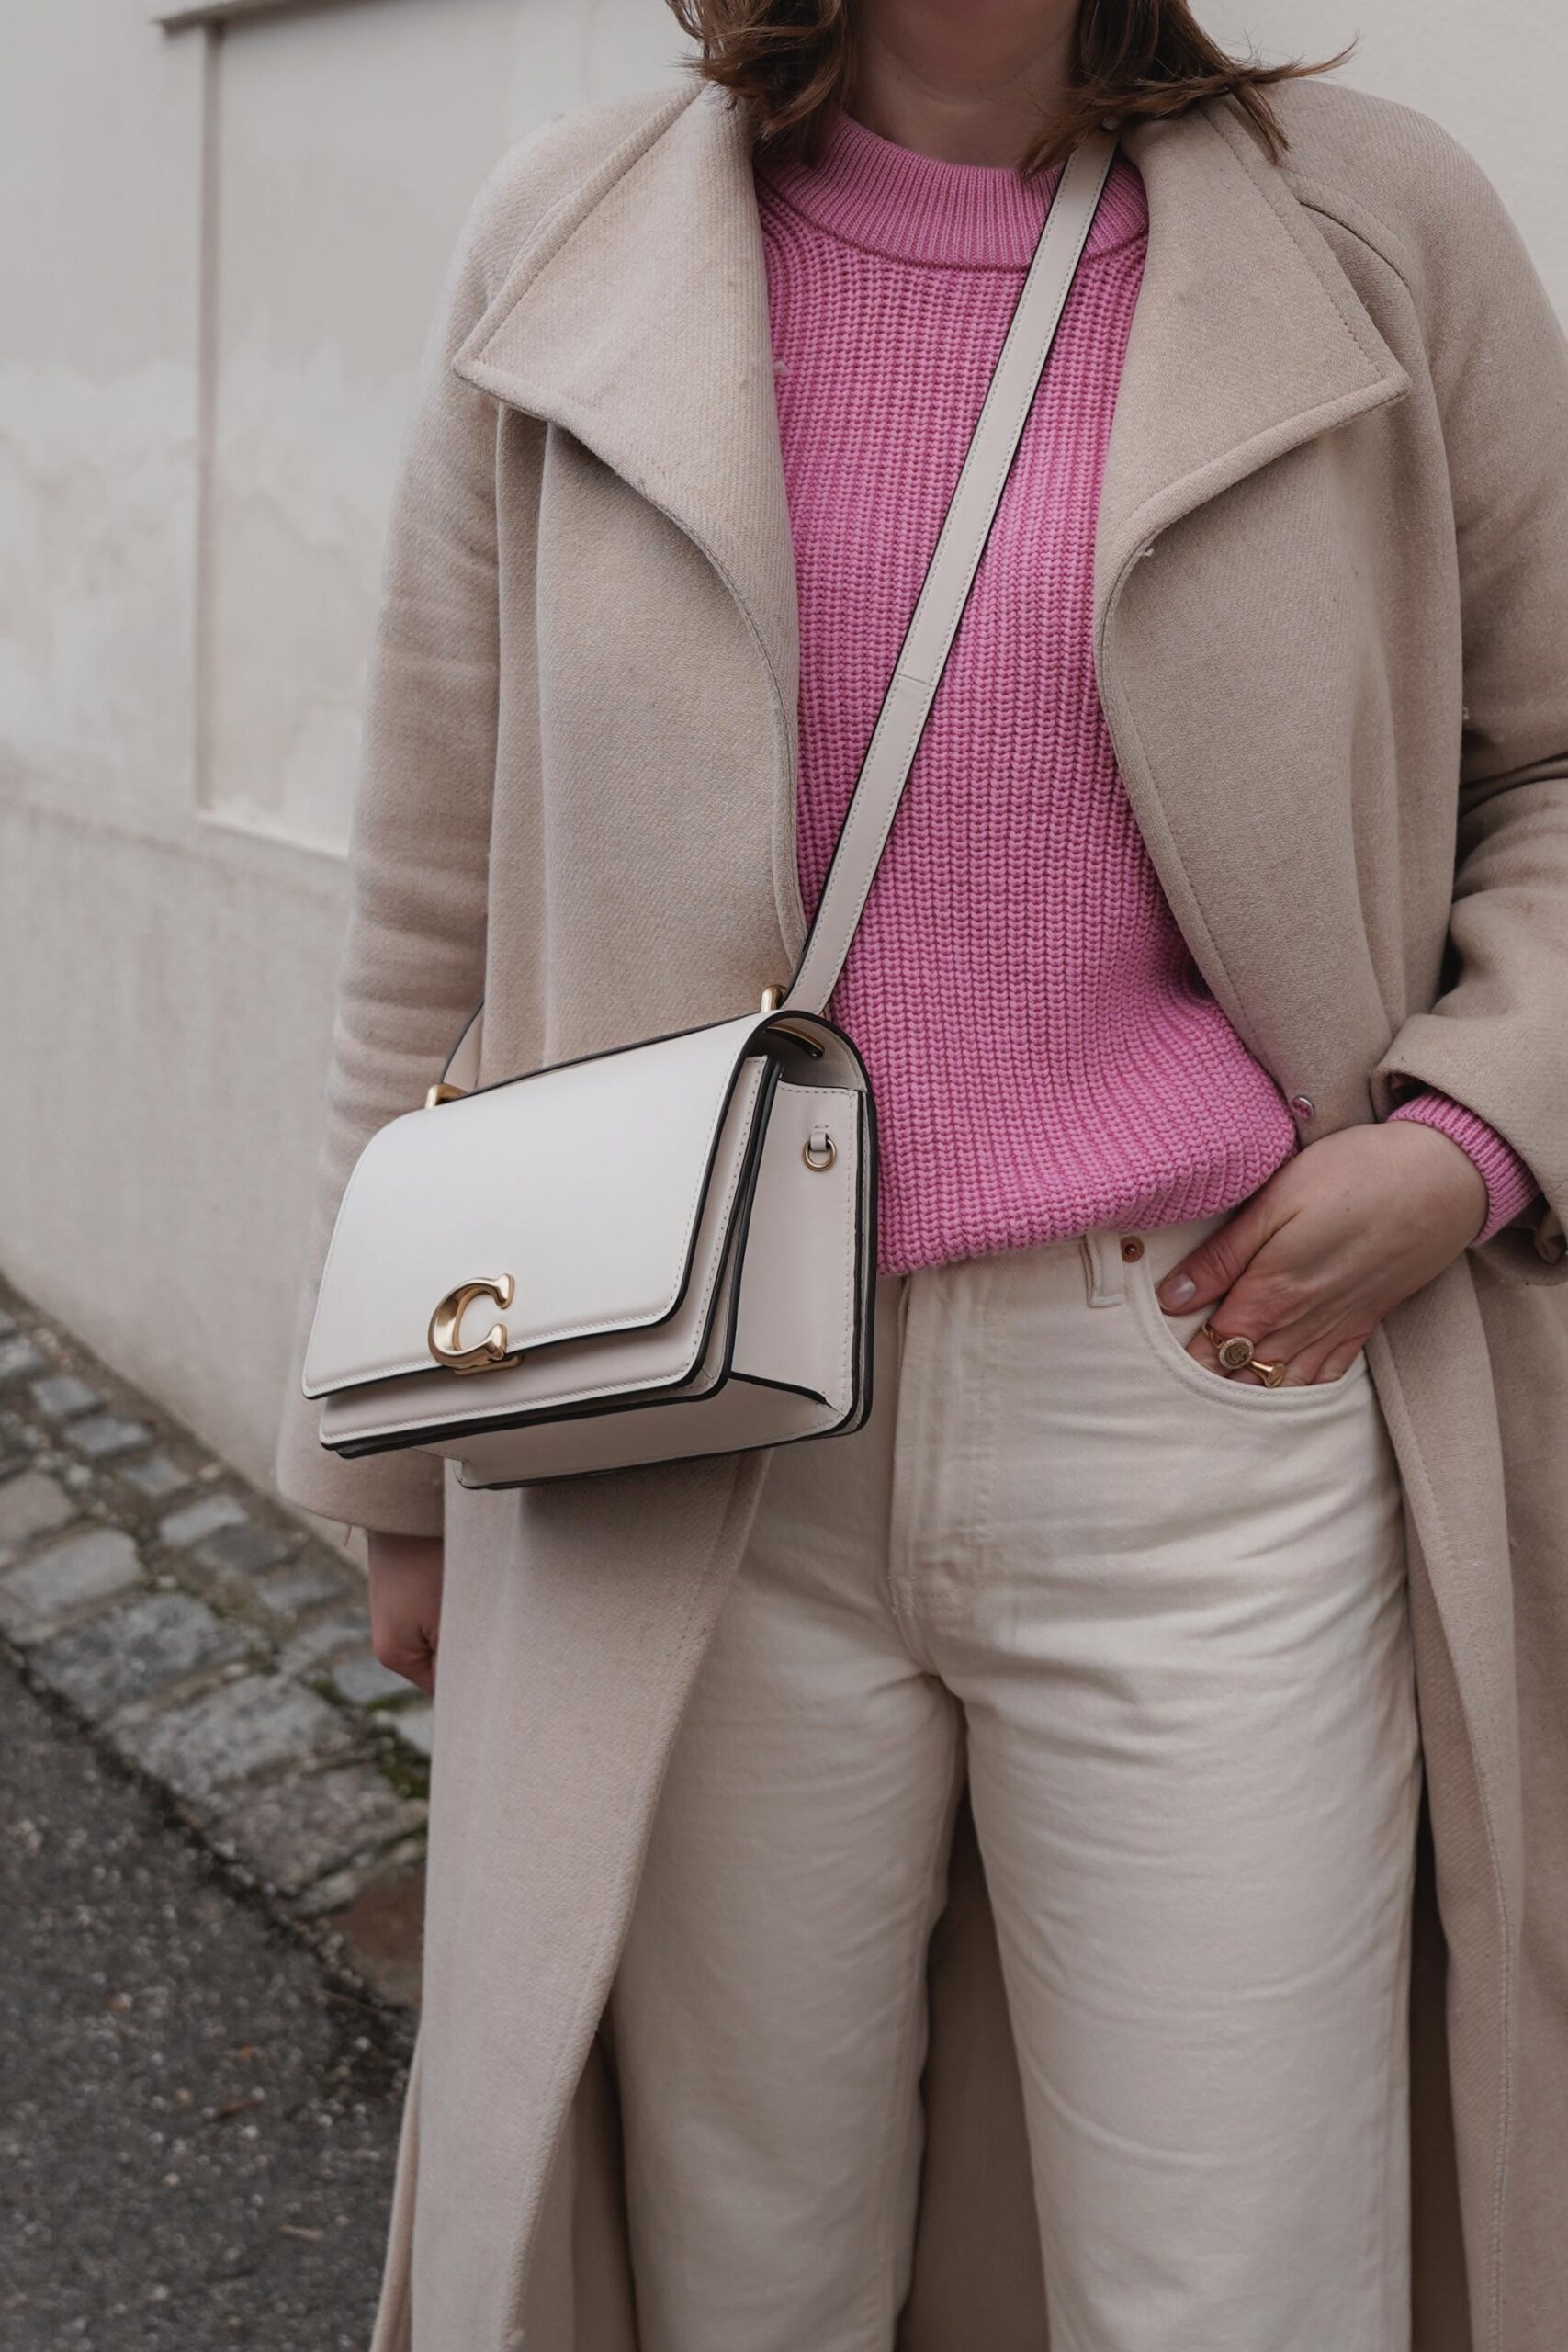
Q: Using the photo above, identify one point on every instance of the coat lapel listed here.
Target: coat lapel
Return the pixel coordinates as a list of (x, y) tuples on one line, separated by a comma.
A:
[(1247, 339), (637, 317), (1249, 342)]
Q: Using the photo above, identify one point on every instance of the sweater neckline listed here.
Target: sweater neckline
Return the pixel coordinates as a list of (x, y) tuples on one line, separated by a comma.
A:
[(869, 191)]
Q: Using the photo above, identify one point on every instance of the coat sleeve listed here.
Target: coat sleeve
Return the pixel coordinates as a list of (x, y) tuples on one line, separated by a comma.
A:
[(1496, 1039), (413, 960)]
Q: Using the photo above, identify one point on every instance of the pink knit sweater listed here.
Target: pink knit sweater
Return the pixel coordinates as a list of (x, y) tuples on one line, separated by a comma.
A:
[(1045, 1055)]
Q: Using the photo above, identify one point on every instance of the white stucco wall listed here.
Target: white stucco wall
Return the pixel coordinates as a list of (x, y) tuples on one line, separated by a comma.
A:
[(223, 251)]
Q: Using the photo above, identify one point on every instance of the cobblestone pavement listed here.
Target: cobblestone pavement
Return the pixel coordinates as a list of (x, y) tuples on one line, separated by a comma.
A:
[(214, 1647), (196, 2123)]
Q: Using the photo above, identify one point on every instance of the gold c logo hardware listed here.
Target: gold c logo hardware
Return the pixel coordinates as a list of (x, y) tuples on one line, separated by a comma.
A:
[(447, 1322)]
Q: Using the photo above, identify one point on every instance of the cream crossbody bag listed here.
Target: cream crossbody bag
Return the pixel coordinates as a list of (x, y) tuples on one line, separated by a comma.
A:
[(669, 1248)]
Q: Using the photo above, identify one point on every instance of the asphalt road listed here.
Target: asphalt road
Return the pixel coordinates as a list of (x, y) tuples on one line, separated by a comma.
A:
[(197, 2126)]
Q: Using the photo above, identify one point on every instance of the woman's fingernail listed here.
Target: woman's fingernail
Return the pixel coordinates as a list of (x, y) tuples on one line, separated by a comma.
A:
[(1177, 1290)]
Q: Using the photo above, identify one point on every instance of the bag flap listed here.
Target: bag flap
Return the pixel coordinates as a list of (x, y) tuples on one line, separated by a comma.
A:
[(577, 1189)]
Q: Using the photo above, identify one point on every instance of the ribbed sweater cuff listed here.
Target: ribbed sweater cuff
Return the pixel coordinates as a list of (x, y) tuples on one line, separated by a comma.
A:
[(1510, 1186)]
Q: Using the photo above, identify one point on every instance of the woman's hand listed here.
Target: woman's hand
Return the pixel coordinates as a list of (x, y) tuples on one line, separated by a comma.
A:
[(1313, 1262), (405, 1605)]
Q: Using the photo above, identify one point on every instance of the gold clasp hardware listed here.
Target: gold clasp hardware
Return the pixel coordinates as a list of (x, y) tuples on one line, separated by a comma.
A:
[(773, 999), (442, 1093), (446, 1321), (819, 1150)]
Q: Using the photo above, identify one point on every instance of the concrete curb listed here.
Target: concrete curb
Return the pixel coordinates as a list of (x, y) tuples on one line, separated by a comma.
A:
[(215, 1646)]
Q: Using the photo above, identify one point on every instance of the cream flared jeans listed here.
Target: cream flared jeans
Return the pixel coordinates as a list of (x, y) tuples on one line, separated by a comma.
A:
[(1160, 1620)]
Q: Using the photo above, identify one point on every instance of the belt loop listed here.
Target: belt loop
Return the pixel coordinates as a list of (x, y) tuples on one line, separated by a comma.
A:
[(1103, 1270)]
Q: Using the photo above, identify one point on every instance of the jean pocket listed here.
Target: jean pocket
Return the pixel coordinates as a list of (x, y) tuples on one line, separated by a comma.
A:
[(1167, 1337)]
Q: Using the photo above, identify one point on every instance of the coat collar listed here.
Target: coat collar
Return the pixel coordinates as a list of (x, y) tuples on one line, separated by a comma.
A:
[(637, 318), (1247, 339)]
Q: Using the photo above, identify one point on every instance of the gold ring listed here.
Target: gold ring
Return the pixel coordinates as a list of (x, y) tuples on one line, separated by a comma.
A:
[(1235, 1355)]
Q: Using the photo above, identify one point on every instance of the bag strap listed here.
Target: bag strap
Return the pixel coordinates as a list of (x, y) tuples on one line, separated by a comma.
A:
[(945, 593), (939, 608)]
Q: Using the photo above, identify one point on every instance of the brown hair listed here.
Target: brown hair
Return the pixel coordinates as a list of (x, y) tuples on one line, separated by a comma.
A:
[(792, 62)]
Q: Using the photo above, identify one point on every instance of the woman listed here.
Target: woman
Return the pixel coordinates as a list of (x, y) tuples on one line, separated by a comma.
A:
[(1209, 992)]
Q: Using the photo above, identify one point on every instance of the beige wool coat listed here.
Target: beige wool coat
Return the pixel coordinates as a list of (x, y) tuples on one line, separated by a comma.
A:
[(1332, 599)]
